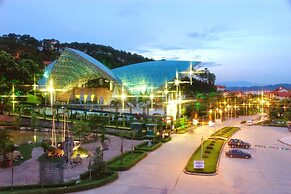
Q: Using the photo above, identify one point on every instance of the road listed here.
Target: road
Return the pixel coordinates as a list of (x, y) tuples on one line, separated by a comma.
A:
[(162, 171)]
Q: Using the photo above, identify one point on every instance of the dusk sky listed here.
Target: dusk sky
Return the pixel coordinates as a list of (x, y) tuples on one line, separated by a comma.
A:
[(246, 40)]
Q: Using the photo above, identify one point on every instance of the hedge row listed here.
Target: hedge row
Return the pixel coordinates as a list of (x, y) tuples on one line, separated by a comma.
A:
[(63, 188), (225, 132), (37, 186), (167, 139), (144, 146)]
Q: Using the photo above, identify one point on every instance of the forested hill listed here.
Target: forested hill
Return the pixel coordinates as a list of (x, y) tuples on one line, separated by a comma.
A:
[(26, 46), (107, 55)]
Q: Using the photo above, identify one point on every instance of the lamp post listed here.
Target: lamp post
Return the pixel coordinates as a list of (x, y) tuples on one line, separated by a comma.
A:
[(210, 114), (216, 110), (51, 91), (220, 112), (152, 100), (123, 98)]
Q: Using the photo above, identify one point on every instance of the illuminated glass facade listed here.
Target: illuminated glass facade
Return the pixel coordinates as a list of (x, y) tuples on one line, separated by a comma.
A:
[(148, 76), (74, 68)]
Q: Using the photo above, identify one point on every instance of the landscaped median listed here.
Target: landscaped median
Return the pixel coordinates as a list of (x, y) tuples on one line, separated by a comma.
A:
[(209, 152)]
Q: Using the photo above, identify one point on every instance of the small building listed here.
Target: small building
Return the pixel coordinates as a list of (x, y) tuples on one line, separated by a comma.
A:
[(281, 93), (220, 88)]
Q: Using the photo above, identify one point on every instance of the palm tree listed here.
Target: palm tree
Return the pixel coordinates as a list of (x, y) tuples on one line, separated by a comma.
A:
[(116, 103)]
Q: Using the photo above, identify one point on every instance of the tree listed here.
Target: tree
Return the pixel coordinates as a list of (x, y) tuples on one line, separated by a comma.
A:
[(9, 71), (121, 135), (99, 165), (6, 144), (34, 120), (115, 103), (80, 128), (102, 138)]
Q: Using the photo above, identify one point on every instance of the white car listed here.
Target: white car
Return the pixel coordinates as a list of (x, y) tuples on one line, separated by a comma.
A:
[(249, 123), (211, 123)]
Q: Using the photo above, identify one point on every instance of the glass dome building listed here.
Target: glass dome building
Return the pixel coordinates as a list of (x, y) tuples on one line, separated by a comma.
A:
[(146, 77), (73, 70)]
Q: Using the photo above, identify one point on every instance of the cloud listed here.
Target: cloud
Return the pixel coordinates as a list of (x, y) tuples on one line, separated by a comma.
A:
[(213, 33), (158, 53), (211, 64), (168, 48)]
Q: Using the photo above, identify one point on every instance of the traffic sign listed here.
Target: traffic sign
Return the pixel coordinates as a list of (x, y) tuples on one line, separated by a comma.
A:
[(199, 164)]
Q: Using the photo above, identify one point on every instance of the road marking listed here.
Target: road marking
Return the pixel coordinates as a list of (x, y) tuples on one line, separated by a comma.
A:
[(272, 147)]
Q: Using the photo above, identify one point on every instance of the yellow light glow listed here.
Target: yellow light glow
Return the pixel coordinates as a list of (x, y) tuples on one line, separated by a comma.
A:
[(123, 96), (50, 88), (152, 96)]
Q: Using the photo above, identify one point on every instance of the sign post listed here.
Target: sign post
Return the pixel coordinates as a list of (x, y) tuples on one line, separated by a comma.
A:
[(202, 141)]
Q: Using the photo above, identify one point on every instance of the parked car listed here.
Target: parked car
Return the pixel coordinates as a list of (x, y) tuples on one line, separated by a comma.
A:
[(238, 143), (250, 122), (237, 153)]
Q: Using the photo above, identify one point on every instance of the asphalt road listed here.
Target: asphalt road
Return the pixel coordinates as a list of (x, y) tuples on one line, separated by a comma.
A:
[(161, 172)]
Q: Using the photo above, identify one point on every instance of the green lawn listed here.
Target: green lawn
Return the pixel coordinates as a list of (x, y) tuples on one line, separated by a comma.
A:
[(26, 152), (129, 160)]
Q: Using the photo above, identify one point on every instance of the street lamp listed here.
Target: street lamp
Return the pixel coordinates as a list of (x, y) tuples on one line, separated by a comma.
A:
[(152, 100), (51, 90), (123, 98), (220, 112), (210, 114)]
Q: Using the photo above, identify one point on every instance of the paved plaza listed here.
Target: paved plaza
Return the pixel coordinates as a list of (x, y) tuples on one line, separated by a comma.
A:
[(28, 171), (161, 171)]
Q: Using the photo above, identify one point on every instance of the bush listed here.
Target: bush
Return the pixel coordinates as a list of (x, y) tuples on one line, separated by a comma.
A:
[(81, 151), (207, 151), (167, 139)]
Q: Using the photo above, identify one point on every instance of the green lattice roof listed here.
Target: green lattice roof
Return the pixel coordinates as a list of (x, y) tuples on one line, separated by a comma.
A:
[(73, 68)]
